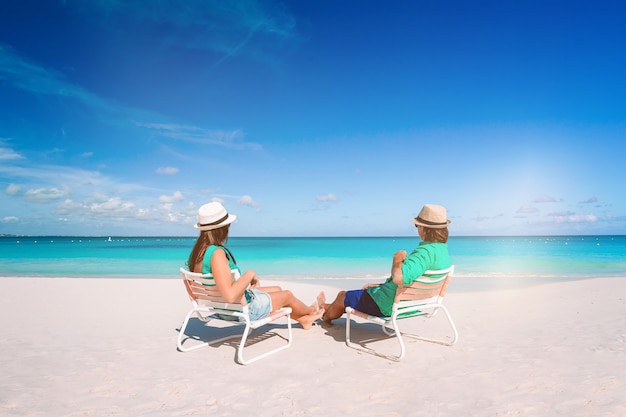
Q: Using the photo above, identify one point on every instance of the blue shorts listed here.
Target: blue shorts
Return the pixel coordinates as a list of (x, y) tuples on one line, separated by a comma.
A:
[(362, 301), (259, 304)]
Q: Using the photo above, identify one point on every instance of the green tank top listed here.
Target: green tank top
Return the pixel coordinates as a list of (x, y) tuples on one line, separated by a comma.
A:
[(206, 262)]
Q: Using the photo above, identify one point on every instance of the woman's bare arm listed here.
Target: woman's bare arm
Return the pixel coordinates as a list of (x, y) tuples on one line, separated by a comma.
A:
[(230, 291)]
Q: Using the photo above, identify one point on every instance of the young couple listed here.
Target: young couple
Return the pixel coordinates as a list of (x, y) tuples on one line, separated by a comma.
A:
[(210, 255)]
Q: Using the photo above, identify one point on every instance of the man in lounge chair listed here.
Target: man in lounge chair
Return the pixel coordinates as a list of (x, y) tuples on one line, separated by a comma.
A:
[(431, 254)]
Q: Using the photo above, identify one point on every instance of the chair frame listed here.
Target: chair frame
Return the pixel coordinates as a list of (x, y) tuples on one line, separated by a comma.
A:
[(424, 297), (208, 304)]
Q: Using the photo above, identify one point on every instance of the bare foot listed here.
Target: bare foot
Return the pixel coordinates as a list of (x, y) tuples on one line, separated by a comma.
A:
[(307, 321), (319, 302), (321, 299)]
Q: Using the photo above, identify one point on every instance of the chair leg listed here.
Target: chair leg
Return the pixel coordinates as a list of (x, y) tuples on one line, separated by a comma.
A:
[(456, 333), (398, 334), (348, 320), (182, 335), (349, 343), (356, 346), (450, 322), (392, 330), (244, 337)]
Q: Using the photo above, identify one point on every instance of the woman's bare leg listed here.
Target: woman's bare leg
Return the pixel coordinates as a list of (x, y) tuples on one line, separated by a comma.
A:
[(269, 289), (303, 314)]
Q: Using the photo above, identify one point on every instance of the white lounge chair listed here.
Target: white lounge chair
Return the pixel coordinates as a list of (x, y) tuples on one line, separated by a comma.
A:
[(423, 298), (208, 304)]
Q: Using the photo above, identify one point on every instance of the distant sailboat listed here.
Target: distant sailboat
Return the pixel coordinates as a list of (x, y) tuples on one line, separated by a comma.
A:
[(109, 240)]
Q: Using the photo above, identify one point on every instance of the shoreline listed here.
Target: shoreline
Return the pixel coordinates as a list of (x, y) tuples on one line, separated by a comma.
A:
[(459, 284), (96, 347)]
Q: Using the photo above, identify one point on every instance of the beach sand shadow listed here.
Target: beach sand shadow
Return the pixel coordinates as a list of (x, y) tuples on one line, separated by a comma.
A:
[(217, 333), (371, 338)]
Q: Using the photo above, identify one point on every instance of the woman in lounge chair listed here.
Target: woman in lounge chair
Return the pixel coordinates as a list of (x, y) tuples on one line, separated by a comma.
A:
[(431, 254), (210, 255)]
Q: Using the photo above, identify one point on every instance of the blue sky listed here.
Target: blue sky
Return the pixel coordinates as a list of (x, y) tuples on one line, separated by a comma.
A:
[(311, 118)]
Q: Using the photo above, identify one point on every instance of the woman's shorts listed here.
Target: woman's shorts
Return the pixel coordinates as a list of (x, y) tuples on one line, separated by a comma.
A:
[(362, 301), (259, 304)]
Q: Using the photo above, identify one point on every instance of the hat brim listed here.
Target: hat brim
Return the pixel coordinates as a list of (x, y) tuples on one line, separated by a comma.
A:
[(231, 218), (431, 226)]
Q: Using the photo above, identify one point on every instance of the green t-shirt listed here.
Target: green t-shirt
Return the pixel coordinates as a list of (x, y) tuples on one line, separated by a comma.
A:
[(427, 256)]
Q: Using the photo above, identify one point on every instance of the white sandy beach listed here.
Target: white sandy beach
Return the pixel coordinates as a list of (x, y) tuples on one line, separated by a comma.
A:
[(106, 347)]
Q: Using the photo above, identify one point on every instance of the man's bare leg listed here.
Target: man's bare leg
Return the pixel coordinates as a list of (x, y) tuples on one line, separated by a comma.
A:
[(335, 309)]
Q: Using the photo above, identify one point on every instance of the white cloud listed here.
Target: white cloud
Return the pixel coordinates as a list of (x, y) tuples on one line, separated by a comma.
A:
[(576, 218), (546, 199), (100, 206), (246, 200), (45, 195), (6, 154), (13, 189), (81, 182), (527, 210), (10, 219), (589, 201), (232, 139), (174, 198), (327, 198), (561, 214), (87, 154), (167, 170), (114, 208), (484, 218)]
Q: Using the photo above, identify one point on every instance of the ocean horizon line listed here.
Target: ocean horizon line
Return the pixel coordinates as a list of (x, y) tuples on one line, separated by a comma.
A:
[(310, 237)]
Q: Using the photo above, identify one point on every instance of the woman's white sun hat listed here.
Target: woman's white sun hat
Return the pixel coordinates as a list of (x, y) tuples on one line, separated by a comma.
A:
[(432, 216), (213, 216)]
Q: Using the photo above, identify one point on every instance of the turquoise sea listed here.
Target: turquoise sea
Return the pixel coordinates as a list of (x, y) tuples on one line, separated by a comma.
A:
[(337, 261)]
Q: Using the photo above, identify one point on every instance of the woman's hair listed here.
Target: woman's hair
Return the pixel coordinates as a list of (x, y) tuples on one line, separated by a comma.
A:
[(206, 239), (435, 235)]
